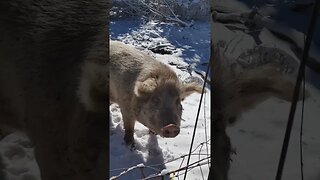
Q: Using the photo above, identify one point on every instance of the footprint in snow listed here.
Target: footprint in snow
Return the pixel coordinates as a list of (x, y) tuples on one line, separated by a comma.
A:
[(114, 108), (116, 118)]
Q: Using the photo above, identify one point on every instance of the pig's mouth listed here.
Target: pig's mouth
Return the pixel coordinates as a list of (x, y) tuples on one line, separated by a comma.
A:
[(169, 131)]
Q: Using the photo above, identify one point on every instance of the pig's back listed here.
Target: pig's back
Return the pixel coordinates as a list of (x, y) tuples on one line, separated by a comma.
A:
[(126, 65)]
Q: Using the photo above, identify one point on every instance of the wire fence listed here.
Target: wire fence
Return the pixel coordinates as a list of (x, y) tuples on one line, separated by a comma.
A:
[(202, 161)]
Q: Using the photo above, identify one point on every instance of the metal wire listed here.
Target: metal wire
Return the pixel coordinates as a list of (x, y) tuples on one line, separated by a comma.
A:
[(196, 122), (307, 45)]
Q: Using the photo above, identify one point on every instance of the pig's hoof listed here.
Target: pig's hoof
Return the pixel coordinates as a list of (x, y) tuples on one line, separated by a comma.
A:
[(128, 140), (133, 147)]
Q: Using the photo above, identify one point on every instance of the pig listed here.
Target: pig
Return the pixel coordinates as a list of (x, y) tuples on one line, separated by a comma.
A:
[(54, 83), (235, 92), (146, 91)]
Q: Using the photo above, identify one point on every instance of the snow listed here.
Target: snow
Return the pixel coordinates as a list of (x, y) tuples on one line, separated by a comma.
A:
[(153, 155), (189, 48), (256, 137), (258, 134), (16, 151)]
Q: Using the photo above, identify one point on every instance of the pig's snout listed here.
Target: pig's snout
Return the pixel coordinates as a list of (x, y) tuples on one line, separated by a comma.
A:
[(170, 131)]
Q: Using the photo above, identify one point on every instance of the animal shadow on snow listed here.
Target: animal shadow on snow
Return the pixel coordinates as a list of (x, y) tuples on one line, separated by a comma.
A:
[(127, 156)]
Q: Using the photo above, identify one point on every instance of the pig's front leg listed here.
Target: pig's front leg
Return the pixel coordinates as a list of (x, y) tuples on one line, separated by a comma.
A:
[(128, 122)]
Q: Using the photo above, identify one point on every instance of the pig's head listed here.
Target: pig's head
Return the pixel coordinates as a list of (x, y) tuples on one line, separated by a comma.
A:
[(157, 103)]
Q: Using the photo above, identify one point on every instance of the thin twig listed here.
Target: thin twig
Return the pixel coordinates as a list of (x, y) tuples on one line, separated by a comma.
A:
[(192, 165)]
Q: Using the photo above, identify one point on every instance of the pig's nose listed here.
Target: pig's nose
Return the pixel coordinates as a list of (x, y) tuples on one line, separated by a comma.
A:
[(170, 130)]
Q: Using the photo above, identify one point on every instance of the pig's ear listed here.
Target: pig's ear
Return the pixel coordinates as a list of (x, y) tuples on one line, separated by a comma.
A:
[(145, 87), (189, 88)]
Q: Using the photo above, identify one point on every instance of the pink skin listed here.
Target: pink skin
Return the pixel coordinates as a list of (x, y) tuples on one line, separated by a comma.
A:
[(170, 131)]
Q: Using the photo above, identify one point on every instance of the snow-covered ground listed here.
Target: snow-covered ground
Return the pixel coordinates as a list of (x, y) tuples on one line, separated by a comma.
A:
[(188, 51), (257, 136), (16, 151), (190, 54)]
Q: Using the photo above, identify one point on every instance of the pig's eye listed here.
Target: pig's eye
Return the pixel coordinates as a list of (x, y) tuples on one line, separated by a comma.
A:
[(155, 100)]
